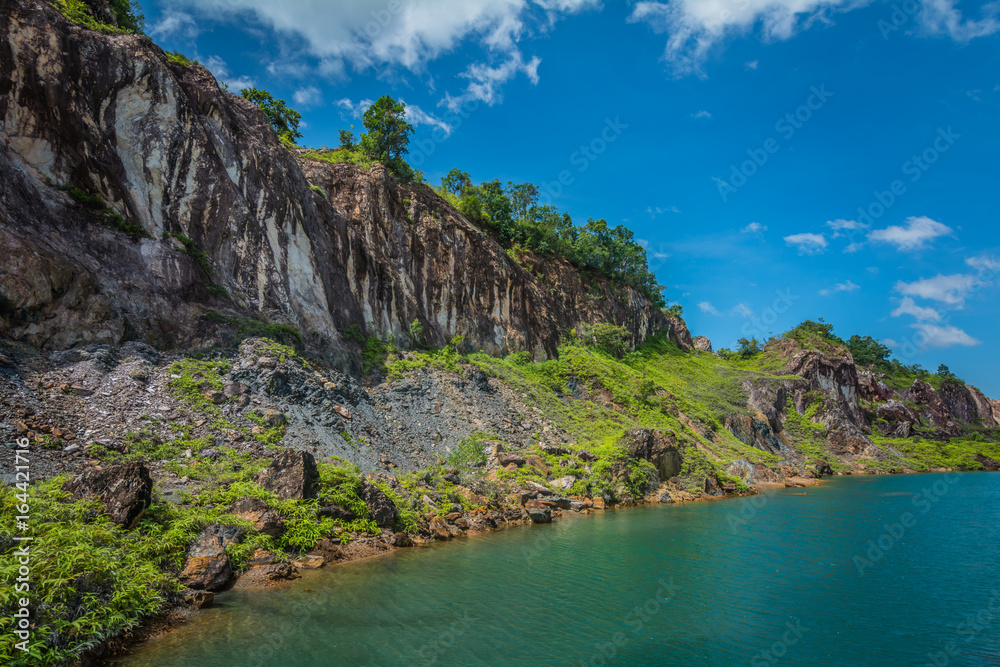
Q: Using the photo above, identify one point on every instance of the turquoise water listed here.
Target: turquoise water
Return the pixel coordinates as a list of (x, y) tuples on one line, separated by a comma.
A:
[(720, 583)]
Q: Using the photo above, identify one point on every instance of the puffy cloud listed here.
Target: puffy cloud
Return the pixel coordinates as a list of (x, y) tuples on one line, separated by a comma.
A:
[(839, 226), (359, 35), (707, 307), (909, 307), (840, 287), (950, 290), (808, 244), (914, 234), (693, 27), (933, 335), (753, 228)]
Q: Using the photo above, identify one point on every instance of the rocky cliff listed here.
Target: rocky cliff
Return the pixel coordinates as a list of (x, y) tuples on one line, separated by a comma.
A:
[(136, 196)]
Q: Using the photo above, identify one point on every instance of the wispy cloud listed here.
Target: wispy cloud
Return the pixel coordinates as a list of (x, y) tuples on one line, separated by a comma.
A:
[(707, 307), (752, 65), (174, 25), (915, 234), (753, 228), (485, 81), (654, 211), (840, 287), (742, 309), (218, 67), (807, 243), (702, 114), (942, 17)]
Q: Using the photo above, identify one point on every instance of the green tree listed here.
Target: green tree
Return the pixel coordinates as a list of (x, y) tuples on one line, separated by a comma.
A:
[(128, 15), (456, 181), (523, 196), (347, 141), (946, 375), (868, 352), (388, 137), (284, 120), (749, 347)]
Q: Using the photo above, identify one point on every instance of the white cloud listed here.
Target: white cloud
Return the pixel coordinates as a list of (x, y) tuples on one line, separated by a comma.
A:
[(658, 210), (362, 35), (853, 247), (909, 307), (915, 233), (742, 309), (702, 114), (751, 65), (984, 264), (950, 290), (308, 97), (695, 26), (485, 80), (840, 287), (417, 116), (941, 17), (175, 25), (753, 228), (707, 307), (217, 66), (354, 109), (933, 335), (808, 244), (839, 225)]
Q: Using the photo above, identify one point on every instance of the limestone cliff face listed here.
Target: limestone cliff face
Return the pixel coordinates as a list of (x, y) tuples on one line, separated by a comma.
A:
[(169, 151)]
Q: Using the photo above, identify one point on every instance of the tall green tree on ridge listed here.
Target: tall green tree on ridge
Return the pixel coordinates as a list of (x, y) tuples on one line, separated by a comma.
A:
[(388, 137)]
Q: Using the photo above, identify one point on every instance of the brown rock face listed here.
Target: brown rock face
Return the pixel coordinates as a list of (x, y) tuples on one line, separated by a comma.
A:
[(874, 390), (292, 474), (959, 401), (125, 491), (900, 417), (172, 153), (702, 343), (932, 406), (651, 445), (835, 377), (755, 432), (983, 407), (208, 566)]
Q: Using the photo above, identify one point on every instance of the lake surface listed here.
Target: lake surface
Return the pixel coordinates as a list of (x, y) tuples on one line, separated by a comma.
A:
[(790, 579)]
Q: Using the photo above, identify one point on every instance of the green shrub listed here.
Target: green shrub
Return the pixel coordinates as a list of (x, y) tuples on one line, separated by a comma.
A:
[(178, 58)]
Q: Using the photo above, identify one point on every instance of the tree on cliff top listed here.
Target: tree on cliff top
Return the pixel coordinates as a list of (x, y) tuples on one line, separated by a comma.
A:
[(285, 121), (388, 135)]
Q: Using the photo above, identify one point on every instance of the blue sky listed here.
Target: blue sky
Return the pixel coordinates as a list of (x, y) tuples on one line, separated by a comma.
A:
[(782, 159)]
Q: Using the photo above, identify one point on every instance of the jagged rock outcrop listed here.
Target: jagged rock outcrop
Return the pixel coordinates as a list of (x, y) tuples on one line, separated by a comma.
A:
[(983, 407), (653, 446), (702, 343), (958, 399), (173, 154), (873, 389), (835, 377), (932, 406), (126, 491), (382, 509), (899, 417)]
